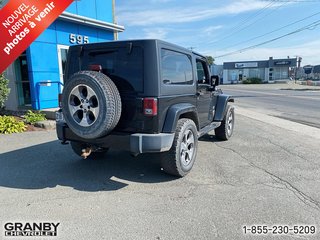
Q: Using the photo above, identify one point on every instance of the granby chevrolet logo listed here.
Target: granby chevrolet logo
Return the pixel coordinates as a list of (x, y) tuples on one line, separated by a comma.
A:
[(35, 229), (22, 21)]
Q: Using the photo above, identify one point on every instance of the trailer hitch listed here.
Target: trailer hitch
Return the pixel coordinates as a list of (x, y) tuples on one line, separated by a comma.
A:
[(86, 152)]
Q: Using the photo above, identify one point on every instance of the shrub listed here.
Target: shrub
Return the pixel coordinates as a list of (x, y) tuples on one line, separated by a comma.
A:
[(253, 80), (9, 124), (4, 90), (33, 117), (246, 81)]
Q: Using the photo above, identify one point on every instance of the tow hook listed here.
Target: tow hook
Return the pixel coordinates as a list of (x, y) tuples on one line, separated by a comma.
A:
[(86, 152)]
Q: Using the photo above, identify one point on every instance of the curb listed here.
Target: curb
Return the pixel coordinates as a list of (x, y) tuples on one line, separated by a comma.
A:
[(279, 122), (310, 83), (47, 124), (50, 113)]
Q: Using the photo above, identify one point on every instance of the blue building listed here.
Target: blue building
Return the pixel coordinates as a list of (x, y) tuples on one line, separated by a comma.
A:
[(36, 77)]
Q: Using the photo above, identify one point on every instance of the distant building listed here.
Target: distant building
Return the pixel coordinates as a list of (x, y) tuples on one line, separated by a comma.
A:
[(316, 72), (266, 70), (309, 72)]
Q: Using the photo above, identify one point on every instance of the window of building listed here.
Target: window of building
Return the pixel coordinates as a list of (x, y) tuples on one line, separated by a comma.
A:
[(176, 68), (62, 57), (256, 73), (22, 81), (280, 73)]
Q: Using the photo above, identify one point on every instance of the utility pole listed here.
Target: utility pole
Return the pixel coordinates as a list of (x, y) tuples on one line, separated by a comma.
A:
[(115, 34), (297, 69)]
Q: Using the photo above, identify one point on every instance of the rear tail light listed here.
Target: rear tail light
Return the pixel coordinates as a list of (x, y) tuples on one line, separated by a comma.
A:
[(95, 67), (150, 106), (60, 100)]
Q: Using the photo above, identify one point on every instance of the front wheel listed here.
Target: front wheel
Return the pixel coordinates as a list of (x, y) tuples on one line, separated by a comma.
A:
[(179, 160), (225, 130)]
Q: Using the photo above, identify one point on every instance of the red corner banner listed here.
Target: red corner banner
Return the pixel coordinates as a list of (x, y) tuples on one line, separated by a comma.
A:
[(21, 22)]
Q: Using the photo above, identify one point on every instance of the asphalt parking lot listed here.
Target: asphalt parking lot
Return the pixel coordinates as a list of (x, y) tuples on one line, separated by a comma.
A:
[(265, 175)]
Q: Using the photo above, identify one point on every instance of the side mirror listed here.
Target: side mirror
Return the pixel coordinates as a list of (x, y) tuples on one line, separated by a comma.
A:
[(215, 80)]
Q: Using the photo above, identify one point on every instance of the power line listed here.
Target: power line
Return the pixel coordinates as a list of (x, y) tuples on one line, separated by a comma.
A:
[(294, 1), (240, 22), (276, 30), (310, 27), (241, 29), (269, 5), (235, 29)]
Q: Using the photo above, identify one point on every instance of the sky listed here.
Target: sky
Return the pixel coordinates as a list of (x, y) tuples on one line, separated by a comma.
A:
[(228, 30)]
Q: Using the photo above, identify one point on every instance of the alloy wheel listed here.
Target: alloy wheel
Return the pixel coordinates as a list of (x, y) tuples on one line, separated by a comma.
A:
[(83, 105)]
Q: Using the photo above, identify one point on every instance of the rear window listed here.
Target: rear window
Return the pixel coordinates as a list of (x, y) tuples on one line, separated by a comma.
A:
[(123, 66)]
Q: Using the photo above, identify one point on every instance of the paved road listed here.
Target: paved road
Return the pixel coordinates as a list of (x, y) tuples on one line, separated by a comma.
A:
[(264, 175), (293, 102)]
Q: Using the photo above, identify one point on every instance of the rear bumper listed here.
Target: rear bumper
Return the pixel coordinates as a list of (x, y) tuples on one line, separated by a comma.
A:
[(141, 143), (135, 143)]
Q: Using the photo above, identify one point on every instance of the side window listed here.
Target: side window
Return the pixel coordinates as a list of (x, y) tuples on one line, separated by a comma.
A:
[(176, 68), (202, 72)]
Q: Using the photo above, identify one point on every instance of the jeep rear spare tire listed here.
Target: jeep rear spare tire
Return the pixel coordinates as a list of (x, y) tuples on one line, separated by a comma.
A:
[(91, 104)]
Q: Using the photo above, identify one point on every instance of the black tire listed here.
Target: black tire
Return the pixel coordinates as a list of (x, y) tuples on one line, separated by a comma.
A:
[(177, 161), (91, 104), (77, 148), (225, 130)]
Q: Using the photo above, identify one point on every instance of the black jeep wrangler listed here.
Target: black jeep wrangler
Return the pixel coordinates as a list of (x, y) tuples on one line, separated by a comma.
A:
[(142, 96)]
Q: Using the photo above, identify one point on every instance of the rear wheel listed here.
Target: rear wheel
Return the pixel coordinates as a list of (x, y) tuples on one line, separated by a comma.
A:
[(180, 158), (225, 130)]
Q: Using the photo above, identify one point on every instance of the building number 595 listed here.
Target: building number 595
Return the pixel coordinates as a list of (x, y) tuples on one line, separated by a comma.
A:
[(78, 39)]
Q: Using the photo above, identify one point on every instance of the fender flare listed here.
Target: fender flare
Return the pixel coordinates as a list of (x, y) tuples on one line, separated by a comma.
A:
[(175, 112), (221, 107)]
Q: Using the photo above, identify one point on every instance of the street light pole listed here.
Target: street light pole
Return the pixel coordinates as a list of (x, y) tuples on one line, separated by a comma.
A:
[(297, 68)]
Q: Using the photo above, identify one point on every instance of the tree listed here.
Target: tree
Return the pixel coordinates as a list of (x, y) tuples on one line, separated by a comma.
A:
[(210, 60), (4, 90), (2, 3)]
